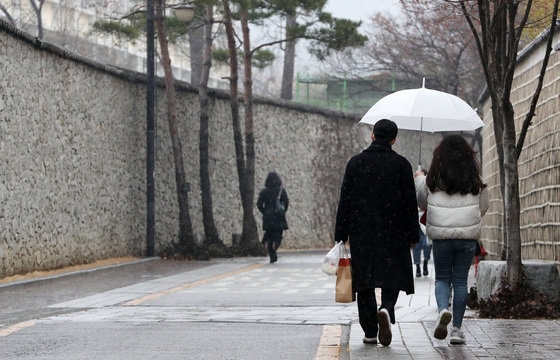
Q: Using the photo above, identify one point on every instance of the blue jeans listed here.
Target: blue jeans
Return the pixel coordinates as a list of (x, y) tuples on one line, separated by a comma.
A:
[(452, 261), (422, 244)]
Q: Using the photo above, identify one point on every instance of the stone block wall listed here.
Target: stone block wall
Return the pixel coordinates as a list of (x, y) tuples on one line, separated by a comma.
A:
[(538, 164), (71, 139), (72, 145)]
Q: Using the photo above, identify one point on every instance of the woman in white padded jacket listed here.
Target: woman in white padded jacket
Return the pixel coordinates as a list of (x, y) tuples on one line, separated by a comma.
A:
[(456, 198)]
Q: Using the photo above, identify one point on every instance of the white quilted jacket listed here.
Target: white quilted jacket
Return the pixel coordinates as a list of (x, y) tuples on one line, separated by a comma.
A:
[(451, 216)]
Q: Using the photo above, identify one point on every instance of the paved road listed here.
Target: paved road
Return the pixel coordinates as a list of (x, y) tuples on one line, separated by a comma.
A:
[(241, 308)]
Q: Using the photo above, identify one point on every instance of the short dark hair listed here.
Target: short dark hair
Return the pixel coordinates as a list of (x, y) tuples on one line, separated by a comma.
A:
[(385, 129)]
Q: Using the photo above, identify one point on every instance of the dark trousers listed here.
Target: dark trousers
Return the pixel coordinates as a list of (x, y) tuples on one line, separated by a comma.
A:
[(367, 308), (272, 239)]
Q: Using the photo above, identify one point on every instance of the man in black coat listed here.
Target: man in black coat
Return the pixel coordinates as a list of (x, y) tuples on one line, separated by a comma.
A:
[(377, 213)]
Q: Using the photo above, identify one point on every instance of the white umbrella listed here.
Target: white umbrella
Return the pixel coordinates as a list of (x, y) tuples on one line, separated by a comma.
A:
[(424, 110)]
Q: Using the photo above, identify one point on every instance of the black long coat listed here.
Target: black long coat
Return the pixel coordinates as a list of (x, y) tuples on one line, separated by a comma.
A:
[(266, 203), (377, 213)]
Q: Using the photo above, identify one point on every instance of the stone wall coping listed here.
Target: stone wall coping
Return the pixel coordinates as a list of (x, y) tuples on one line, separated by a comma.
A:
[(542, 275), (137, 77), (523, 262)]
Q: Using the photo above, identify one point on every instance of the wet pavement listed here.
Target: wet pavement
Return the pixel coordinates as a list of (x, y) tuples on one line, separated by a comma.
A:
[(242, 308)]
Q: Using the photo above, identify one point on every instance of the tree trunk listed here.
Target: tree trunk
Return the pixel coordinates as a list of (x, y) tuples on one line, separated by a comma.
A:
[(210, 230), (234, 100), (511, 202), (196, 46), (498, 113), (504, 134), (186, 238), (249, 237), (497, 42), (289, 62)]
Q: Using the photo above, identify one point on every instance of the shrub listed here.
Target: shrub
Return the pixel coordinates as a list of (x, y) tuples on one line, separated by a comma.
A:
[(526, 303), (472, 299)]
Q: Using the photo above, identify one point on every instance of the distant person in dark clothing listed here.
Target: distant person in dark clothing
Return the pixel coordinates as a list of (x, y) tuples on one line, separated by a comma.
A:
[(424, 245), (377, 213), (274, 221)]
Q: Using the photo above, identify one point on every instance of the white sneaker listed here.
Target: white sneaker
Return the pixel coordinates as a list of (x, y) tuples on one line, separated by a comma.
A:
[(457, 336), (369, 341), (443, 319)]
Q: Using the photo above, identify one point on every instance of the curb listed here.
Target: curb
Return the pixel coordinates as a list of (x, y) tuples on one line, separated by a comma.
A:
[(56, 276)]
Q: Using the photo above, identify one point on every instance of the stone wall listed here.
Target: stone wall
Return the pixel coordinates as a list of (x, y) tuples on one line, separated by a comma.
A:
[(538, 165), (72, 139)]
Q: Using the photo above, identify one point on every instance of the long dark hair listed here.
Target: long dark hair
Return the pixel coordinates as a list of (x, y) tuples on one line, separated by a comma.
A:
[(454, 168)]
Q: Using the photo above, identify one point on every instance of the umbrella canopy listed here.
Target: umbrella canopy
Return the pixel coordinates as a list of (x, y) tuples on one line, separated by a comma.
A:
[(424, 110)]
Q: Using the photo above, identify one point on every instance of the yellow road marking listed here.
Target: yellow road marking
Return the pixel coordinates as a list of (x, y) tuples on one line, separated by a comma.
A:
[(189, 285), (329, 345), (16, 327)]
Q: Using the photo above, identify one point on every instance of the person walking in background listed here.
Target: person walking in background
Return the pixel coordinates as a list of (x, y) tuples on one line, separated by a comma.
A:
[(274, 220), (456, 198), (423, 246), (378, 215)]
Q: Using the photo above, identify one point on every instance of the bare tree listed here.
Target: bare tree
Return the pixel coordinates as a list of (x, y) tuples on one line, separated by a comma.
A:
[(418, 44), (38, 10), (246, 202), (249, 237), (186, 238), (335, 34), (210, 230), (497, 27), (497, 39), (172, 28), (36, 7)]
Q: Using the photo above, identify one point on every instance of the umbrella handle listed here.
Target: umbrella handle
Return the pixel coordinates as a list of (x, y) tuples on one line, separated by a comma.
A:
[(420, 146)]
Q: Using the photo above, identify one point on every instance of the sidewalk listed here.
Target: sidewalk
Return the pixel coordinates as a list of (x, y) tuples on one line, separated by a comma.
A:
[(486, 339), (104, 296)]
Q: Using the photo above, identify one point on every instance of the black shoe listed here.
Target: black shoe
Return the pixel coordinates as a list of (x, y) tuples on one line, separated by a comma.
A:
[(385, 336), (418, 271), (425, 267)]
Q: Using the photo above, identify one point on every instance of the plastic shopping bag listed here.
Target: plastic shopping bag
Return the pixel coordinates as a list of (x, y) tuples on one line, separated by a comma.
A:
[(330, 262)]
